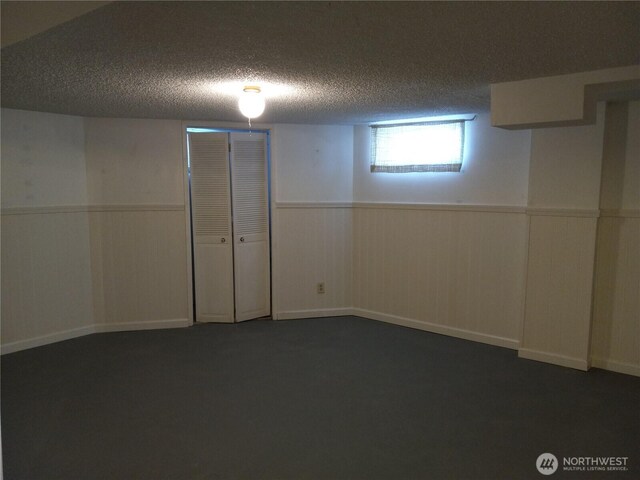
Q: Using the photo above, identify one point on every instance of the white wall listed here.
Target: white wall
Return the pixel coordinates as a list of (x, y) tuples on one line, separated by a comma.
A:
[(318, 234), (313, 163), (559, 289), (93, 226), (314, 245), (621, 168), (139, 269), (615, 336), (564, 192), (134, 162), (452, 260), (312, 220), (456, 272), (43, 161), (138, 228), (631, 179), (494, 171), (46, 265), (565, 166)]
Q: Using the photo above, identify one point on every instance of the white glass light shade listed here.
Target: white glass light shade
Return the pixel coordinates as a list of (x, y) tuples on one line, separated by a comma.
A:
[(251, 102)]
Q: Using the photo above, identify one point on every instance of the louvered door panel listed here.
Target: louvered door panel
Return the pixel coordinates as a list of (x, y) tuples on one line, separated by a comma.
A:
[(211, 220), (210, 186), (251, 225), (249, 186)]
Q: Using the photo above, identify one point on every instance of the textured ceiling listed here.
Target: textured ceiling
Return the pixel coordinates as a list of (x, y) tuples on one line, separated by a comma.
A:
[(21, 20), (320, 62)]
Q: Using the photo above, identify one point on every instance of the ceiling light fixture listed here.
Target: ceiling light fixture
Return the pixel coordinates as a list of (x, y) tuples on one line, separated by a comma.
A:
[(251, 102)]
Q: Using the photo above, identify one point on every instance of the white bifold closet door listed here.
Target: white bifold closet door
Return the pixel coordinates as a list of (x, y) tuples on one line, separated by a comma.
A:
[(211, 226), (230, 215), (250, 225)]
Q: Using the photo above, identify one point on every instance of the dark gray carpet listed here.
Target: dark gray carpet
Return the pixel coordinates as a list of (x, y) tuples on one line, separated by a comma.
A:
[(333, 398)]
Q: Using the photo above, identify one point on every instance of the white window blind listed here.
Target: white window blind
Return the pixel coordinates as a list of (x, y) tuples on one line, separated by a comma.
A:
[(418, 147)]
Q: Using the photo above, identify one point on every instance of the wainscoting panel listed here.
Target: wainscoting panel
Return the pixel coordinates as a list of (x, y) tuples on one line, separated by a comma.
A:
[(312, 244), (457, 271), (46, 277), (615, 336), (559, 287), (139, 269)]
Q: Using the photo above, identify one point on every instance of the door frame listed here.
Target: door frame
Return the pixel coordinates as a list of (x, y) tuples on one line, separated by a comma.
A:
[(229, 127)]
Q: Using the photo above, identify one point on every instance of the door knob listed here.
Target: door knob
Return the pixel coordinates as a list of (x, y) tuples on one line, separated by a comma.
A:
[(242, 239), (223, 240)]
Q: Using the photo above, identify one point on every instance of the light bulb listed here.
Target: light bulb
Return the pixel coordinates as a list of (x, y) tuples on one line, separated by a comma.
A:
[(251, 102)]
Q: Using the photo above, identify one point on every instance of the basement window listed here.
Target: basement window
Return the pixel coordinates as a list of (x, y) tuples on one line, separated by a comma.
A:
[(436, 146)]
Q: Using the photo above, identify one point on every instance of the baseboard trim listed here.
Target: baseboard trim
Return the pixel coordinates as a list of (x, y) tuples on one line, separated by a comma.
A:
[(148, 325), (47, 339), (90, 329), (316, 313), (619, 367), (553, 358), (439, 329)]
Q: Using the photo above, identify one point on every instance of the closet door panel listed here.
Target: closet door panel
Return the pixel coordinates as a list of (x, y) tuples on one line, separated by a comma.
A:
[(251, 225), (211, 220), (252, 278), (214, 284)]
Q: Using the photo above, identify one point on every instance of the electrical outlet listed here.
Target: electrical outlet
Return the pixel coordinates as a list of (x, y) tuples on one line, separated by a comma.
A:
[(320, 287)]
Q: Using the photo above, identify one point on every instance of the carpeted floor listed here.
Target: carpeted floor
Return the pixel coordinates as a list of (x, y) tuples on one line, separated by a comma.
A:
[(332, 398)]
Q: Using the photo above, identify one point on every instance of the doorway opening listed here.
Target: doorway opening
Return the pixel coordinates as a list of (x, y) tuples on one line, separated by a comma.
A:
[(229, 199)]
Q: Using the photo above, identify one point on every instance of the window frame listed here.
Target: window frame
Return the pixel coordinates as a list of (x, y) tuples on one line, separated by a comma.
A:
[(416, 168)]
